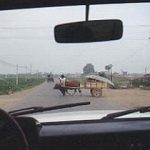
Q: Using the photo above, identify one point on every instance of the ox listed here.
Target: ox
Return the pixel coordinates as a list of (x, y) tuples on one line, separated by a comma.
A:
[(69, 85)]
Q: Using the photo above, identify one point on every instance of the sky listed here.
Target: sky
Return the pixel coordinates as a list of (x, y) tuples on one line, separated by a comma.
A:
[(27, 39)]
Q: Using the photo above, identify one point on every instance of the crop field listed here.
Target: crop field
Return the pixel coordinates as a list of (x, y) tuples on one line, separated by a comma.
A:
[(8, 85)]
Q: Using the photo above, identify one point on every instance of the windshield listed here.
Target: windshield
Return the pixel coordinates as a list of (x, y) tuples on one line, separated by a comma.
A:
[(38, 71)]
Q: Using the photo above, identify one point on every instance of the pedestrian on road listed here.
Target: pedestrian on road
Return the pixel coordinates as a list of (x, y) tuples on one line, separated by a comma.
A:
[(62, 80)]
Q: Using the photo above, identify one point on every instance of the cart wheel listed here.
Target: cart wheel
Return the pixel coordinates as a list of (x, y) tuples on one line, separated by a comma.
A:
[(96, 92), (71, 92)]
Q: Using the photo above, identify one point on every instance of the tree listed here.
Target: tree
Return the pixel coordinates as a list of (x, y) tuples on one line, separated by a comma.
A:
[(88, 68)]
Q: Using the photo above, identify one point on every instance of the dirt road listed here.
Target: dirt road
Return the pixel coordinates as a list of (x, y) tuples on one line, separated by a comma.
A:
[(45, 95), (128, 97), (7, 101)]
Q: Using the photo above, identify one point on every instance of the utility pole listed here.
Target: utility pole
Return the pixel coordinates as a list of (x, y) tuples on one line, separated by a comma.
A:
[(37, 73), (111, 75), (26, 68), (16, 74), (145, 70), (30, 68)]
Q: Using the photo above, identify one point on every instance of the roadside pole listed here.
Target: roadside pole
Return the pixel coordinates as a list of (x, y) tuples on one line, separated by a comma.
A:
[(26, 73), (37, 74), (111, 74), (30, 68), (16, 74)]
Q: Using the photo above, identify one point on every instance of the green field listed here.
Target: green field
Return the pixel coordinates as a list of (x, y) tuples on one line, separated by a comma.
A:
[(8, 85)]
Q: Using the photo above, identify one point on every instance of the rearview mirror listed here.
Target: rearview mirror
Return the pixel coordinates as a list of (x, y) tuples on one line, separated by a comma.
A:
[(89, 31)]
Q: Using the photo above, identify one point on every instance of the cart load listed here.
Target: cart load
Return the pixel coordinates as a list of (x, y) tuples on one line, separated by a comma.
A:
[(93, 81), (72, 83), (95, 84)]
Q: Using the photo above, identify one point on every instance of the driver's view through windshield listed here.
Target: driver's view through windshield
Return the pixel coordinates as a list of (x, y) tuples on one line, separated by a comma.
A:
[(41, 67)]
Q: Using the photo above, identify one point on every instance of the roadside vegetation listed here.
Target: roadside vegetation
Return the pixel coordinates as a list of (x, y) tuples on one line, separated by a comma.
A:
[(8, 85), (124, 82)]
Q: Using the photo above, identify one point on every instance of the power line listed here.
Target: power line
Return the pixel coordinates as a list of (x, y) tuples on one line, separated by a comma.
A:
[(45, 27), (146, 26), (6, 63), (48, 38), (24, 38), (24, 28)]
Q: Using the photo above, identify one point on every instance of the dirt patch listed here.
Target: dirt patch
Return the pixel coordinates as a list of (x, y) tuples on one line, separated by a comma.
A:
[(8, 100), (128, 97)]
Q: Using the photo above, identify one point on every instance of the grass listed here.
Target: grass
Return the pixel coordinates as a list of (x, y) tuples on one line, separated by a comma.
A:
[(8, 85)]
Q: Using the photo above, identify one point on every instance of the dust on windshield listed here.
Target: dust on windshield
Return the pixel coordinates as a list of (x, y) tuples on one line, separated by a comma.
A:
[(38, 71)]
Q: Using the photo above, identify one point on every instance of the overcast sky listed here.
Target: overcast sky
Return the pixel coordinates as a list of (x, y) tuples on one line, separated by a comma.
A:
[(26, 37)]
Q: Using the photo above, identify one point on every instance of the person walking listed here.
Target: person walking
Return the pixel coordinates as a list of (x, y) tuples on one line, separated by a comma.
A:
[(62, 80)]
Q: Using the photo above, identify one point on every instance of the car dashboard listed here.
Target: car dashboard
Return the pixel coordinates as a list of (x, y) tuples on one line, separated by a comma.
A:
[(116, 134)]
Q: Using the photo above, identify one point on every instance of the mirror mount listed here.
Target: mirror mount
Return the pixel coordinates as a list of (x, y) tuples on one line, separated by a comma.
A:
[(87, 9)]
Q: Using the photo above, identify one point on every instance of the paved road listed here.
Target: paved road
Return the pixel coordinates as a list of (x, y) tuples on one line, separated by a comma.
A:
[(45, 95)]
